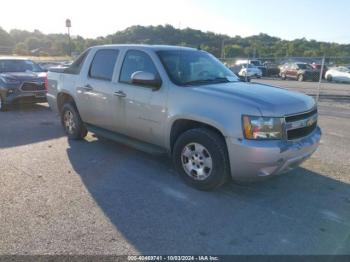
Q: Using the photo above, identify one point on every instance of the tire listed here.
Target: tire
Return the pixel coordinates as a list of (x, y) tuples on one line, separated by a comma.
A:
[(301, 78), (72, 123), (329, 78), (3, 107), (201, 150)]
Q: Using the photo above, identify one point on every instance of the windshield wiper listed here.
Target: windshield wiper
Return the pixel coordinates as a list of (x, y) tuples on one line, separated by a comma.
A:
[(209, 80)]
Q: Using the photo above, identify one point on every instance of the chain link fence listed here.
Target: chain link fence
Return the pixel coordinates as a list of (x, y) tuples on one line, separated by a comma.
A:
[(325, 78), (275, 67)]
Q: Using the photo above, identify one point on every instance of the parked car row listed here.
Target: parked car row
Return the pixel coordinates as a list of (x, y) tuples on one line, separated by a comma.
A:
[(301, 71)]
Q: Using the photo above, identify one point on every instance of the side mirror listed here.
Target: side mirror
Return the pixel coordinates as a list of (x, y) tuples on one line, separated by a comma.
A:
[(146, 79)]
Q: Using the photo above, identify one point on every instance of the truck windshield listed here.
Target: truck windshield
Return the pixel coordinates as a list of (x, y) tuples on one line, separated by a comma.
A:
[(7, 66), (194, 67)]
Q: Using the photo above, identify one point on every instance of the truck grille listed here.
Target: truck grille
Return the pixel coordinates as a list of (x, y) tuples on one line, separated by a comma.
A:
[(301, 125), (33, 86)]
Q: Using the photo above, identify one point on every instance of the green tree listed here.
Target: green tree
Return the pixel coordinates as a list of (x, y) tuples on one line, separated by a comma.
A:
[(32, 43), (5, 39), (20, 49)]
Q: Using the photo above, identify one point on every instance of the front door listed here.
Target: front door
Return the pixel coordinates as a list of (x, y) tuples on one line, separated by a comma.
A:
[(145, 108)]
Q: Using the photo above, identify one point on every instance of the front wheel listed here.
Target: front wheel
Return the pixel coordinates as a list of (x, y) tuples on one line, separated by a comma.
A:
[(329, 78), (72, 123), (200, 157), (301, 78)]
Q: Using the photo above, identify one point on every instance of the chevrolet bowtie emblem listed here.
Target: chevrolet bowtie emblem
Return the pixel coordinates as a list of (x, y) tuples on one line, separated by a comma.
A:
[(310, 122)]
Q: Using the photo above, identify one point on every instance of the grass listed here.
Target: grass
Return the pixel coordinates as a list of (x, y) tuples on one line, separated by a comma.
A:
[(42, 58)]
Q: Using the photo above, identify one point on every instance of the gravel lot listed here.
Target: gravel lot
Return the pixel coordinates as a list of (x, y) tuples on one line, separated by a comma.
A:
[(99, 197)]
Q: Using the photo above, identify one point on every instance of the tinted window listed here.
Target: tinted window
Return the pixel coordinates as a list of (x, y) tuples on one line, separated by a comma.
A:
[(102, 65), (19, 66), (255, 62), (76, 66), (303, 66), (136, 61)]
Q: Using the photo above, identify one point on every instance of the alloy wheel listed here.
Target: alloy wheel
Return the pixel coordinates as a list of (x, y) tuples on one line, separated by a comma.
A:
[(68, 121), (196, 161)]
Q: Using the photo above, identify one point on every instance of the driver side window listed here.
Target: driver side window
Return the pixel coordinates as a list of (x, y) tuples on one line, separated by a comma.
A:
[(136, 61)]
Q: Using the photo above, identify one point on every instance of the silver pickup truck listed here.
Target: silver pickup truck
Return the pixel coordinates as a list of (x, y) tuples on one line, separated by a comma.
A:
[(185, 102)]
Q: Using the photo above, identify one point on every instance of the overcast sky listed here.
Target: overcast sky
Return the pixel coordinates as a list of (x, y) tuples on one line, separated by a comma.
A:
[(288, 19)]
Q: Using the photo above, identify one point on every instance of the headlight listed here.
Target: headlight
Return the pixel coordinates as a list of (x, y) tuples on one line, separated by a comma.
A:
[(262, 128)]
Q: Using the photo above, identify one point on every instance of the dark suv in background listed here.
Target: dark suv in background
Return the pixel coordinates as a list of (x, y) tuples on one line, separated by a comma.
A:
[(21, 81), (300, 72)]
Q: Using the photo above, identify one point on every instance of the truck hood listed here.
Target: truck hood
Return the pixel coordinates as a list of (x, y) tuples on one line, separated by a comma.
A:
[(270, 100), (24, 76)]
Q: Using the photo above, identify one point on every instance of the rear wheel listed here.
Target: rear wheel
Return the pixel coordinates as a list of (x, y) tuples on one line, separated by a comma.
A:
[(3, 107), (72, 123), (201, 159)]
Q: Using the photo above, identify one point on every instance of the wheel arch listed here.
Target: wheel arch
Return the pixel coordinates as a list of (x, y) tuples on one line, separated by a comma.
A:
[(62, 98), (181, 125)]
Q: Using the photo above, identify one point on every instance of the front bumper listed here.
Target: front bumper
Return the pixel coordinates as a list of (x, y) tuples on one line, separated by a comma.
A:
[(253, 160), (25, 97), (255, 74)]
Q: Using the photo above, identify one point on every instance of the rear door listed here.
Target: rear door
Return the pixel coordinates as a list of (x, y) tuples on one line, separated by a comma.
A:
[(285, 69), (100, 107)]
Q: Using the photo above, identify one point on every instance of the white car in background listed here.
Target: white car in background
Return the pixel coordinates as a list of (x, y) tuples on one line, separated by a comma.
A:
[(250, 70), (338, 74)]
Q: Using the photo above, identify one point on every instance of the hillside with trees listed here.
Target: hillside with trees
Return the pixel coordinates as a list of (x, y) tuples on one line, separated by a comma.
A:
[(22, 42)]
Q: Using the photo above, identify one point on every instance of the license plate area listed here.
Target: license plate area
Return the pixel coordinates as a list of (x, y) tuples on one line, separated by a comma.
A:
[(40, 95)]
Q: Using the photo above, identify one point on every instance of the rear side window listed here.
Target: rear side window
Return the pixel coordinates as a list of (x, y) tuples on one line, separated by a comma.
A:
[(102, 65), (77, 64), (136, 61)]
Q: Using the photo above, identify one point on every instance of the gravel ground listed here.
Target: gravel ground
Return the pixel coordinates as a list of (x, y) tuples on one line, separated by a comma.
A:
[(98, 197)]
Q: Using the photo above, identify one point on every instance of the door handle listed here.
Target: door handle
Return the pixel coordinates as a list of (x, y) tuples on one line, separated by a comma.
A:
[(88, 87), (120, 93)]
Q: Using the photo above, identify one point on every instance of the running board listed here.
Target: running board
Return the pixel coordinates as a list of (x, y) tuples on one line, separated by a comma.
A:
[(128, 141)]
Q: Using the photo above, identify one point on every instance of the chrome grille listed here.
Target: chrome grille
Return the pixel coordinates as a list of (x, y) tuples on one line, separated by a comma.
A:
[(301, 125), (33, 86)]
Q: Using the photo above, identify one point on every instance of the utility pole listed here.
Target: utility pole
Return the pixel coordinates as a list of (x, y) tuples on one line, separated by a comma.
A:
[(69, 25), (320, 80), (223, 48)]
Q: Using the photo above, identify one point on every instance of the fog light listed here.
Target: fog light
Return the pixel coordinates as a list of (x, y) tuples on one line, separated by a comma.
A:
[(10, 91)]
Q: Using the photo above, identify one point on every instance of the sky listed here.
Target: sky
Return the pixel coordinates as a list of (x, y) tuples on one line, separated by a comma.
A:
[(288, 19)]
